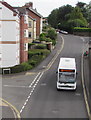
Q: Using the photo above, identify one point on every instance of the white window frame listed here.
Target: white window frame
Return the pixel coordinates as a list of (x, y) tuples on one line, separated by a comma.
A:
[(25, 46)]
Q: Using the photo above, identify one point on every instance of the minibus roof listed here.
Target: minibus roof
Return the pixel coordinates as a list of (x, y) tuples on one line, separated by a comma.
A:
[(67, 63)]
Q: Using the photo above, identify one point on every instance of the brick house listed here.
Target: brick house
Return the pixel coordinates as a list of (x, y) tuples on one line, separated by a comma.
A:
[(31, 29), (23, 34), (35, 15)]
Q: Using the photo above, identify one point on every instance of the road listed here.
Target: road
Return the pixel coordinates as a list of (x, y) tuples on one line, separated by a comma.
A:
[(34, 94)]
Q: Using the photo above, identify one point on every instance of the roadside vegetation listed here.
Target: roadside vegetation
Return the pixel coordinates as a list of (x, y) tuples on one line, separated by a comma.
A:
[(68, 17), (37, 51)]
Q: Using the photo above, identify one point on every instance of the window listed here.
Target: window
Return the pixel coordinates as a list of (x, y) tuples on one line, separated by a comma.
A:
[(29, 35), (25, 33), (26, 19), (25, 46), (29, 24)]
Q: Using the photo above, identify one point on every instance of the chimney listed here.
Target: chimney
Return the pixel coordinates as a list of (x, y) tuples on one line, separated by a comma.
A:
[(29, 5)]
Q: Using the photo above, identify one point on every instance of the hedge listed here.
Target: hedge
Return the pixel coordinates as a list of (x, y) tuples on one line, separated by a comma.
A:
[(38, 52), (35, 57), (81, 29), (40, 46)]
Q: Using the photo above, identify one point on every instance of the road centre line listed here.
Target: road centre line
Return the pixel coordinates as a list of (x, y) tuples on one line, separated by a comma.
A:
[(37, 79), (34, 79), (39, 75)]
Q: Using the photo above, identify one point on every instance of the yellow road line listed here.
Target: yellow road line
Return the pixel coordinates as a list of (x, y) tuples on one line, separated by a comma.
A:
[(12, 107), (54, 58), (84, 91), (2, 103)]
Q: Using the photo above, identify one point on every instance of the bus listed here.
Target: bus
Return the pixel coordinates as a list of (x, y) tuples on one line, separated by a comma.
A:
[(66, 74)]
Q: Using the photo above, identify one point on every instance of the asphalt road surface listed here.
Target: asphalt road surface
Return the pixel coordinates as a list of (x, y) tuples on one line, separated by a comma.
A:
[(35, 95)]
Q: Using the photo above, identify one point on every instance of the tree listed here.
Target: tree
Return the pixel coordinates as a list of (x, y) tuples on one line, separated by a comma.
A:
[(63, 13), (83, 7), (88, 7), (52, 18), (77, 19)]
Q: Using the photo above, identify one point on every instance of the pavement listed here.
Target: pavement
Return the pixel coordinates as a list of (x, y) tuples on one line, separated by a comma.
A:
[(87, 79)]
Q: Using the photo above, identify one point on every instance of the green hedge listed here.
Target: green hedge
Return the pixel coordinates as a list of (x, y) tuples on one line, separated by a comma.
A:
[(38, 52), (81, 29), (20, 68), (40, 46), (35, 57)]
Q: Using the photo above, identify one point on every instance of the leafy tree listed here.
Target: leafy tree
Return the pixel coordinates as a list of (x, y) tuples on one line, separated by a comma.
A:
[(52, 18), (64, 12), (52, 34), (88, 7), (83, 7), (76, 18)]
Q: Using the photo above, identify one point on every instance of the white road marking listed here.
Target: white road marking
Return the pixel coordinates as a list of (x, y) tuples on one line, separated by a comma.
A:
[(32, 90), (15, 86), (34, 80)]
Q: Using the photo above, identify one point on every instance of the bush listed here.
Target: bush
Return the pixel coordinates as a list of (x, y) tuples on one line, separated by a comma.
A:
[(42, 37), (40, 46), (52, 34), (48, 40), (20, 68), (32, 62), (30, 44), (35, 57), (26, 66), (82, 29), (38, 52)]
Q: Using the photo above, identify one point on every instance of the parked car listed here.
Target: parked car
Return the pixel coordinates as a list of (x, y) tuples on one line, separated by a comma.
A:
[(63, 32)]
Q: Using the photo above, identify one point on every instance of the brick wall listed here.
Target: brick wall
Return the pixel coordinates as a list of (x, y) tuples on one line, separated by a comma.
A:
[(33, 15), (23, 53)]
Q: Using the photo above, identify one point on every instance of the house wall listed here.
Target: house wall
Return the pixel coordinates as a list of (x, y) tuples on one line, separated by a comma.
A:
[(34, 29), (30, 30), (38, 22), (9, 38), (23, 39)]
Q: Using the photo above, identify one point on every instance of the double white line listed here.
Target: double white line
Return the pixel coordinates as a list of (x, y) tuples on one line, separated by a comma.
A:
[(39, 75), (32, 85)]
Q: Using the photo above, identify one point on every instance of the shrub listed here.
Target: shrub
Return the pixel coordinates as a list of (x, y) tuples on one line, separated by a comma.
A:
[(32, 62), (42, 37), (26, 66), (52, 34), (38, 52), (37, 56), (30, 44), (20, 68), (48, 40), (40, 46), (82, 29)]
